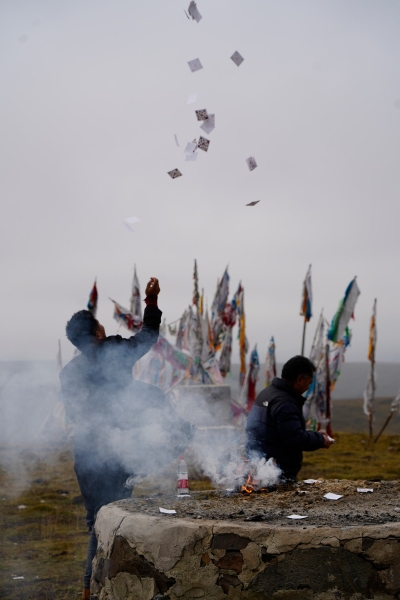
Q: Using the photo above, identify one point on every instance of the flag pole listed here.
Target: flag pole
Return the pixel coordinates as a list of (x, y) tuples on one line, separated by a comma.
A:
[(370, 423), (384, 426), (304, 337)]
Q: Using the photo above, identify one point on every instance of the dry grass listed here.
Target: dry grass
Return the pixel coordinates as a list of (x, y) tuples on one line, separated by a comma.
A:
[(46, 542)]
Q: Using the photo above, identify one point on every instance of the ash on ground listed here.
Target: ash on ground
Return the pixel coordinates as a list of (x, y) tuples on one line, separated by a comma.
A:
[(274, 506)]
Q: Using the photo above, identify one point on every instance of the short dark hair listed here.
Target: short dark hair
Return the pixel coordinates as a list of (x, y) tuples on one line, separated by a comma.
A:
[(298, 365), (81, 329)]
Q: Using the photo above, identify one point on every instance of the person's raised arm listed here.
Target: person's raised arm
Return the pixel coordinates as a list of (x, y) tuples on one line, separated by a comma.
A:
[(139, 344)]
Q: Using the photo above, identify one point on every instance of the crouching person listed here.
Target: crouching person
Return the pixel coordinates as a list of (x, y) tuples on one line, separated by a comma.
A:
[(276, 426)]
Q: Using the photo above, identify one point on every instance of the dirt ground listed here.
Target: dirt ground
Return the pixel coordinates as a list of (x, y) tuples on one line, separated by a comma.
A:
[(274, 507), (42, 518)]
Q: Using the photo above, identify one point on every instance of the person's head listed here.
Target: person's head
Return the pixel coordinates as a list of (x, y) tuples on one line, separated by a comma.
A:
[(298, 372), (84, 329)]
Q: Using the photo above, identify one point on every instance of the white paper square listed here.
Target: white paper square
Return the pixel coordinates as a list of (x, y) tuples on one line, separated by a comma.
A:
[(176, 139), (129, 228), (310, 481), (330, 496), (195, 65), (297, 517), (364, 490), (190, 147), (192, 157), (166, 511), (132, 220), (192, 99), (208, 125)]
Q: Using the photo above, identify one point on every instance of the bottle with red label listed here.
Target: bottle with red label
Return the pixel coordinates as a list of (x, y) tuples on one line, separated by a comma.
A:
[(183, 482)]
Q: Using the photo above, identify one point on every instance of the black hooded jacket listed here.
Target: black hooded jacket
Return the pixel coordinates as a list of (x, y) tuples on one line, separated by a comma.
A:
[(96, 385), (276, 427)]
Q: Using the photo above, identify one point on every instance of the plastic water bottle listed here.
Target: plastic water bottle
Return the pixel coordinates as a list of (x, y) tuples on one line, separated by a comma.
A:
[(183, 483)]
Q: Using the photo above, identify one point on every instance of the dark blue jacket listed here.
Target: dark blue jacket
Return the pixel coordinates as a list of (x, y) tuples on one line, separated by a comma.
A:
[(276, 427)]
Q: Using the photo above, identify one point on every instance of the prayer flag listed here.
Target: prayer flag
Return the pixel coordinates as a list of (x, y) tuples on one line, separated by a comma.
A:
[(92, 303), (254, 368), (270, 363), (136, 304), (344, 312), (306, 303), (126, 318)]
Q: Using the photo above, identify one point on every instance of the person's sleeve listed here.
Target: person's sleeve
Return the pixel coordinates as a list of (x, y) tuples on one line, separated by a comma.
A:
[(138, 345), (291, 432)]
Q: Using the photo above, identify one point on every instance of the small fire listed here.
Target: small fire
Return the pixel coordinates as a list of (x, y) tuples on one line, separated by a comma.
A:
[(248, 486)]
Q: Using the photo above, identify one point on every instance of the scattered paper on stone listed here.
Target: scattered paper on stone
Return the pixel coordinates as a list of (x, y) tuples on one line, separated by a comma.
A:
[(166, 511), (330, 496)]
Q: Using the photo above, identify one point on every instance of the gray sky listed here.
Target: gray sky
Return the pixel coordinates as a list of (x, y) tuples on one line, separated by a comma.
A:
[(92, 94)]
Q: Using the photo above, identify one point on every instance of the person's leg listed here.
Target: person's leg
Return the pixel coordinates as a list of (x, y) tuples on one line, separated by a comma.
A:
[(92, 547)]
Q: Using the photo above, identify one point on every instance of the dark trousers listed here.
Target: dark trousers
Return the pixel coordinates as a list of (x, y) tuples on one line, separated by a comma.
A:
[(99, 486)]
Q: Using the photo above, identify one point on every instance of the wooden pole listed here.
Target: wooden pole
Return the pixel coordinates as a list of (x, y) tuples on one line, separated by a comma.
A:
[(304, 337), (384, 426), (370, 416), (328, 412)]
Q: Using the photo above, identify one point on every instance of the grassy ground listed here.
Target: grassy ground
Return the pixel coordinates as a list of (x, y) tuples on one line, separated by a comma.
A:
[(46, 541)]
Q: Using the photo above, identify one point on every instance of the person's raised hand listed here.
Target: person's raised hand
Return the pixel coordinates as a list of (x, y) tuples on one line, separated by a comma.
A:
[(327, 440), (153, 287)]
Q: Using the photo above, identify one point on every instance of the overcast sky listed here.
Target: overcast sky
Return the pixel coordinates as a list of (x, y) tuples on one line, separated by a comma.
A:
[(92, 93)]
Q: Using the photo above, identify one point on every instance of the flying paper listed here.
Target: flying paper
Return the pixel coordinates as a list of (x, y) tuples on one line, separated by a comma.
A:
[(251, 163), (209, 124), (297, 517), (193, 12), (129, 228), (129, 220), (253, 203), (237, 58), (202, 114), (192, 98), (191, 157), (176, 139), (364, 490), (191, 147), (203, 144), (195, 65), (174, 173), (166, 511), (330, 496)]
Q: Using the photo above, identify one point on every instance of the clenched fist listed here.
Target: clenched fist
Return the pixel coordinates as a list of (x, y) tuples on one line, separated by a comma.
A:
[(153, 287)]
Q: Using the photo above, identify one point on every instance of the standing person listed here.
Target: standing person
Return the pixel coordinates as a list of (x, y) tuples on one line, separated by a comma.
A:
[(276, 426), (95, 388)]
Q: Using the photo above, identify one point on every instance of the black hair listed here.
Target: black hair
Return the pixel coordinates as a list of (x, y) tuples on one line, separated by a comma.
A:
[(81, 329), (298, 365)]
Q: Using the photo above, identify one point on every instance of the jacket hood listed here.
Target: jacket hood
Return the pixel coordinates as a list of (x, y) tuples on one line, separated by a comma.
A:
[(280, 384)]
